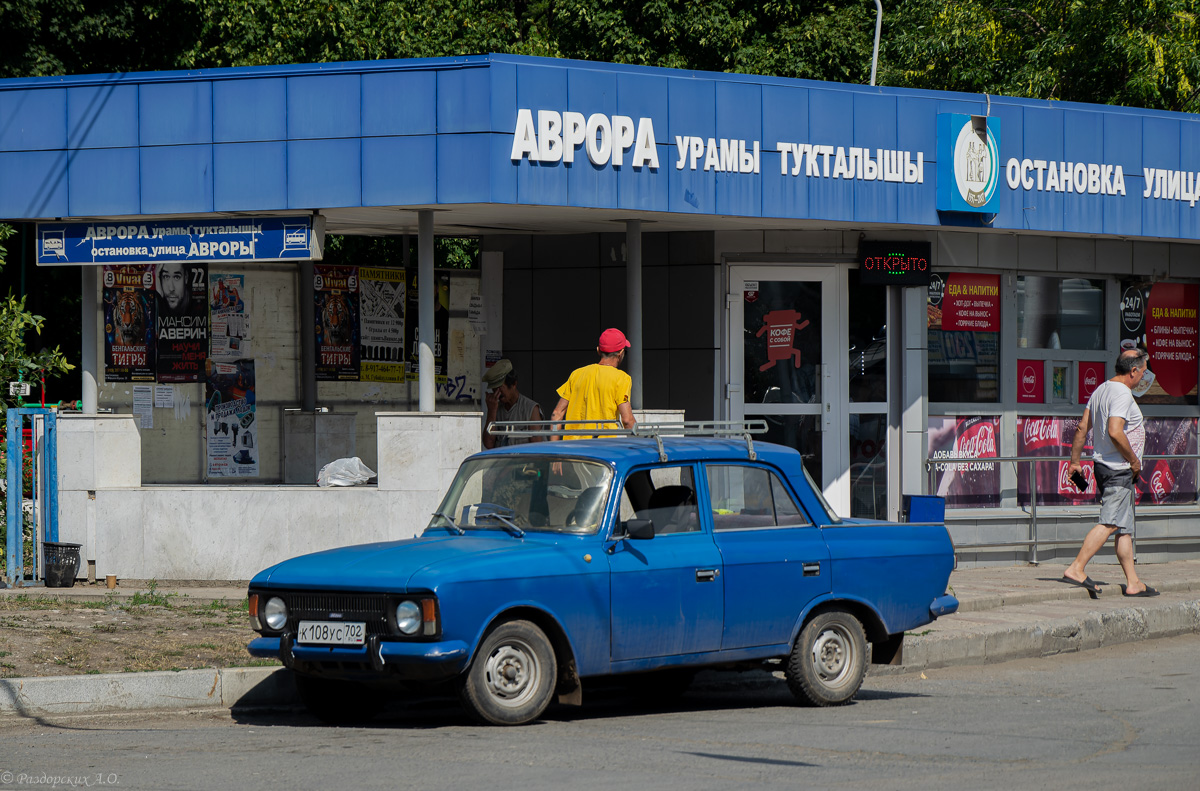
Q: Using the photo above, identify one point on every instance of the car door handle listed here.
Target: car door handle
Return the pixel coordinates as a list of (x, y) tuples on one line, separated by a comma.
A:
[(707, 575)]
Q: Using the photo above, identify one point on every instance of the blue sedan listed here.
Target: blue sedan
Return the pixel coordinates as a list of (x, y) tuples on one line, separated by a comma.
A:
[(553, 563)]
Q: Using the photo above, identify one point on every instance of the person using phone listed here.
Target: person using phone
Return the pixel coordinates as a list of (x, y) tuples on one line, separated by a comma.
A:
[(1118, 439)]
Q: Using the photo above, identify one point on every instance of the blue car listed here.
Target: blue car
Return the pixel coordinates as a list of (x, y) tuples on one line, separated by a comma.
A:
[(552, 564)]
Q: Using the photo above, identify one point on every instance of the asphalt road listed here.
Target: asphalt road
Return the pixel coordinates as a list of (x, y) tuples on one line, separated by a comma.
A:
[(1119, 717)]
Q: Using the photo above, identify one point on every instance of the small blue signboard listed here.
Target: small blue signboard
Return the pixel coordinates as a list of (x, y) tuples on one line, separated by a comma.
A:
[(178, 240)]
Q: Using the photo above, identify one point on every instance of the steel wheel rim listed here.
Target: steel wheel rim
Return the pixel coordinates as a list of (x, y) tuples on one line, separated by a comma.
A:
[(512, 673), (833, 656)]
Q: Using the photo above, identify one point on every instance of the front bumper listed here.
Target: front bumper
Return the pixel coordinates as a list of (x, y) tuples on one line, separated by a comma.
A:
[(416, 660)]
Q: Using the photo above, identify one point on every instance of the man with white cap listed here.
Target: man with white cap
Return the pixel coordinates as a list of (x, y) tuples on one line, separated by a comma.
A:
[(504, 402), (599, 391)]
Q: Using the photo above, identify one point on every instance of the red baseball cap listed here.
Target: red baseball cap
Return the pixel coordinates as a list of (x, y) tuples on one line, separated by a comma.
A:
[(613, 340)]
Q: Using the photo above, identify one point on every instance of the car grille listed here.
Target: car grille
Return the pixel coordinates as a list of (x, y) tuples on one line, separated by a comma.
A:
[(369, 608)]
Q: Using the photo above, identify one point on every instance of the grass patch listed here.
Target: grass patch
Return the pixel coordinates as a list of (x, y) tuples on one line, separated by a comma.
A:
[(152, 598)]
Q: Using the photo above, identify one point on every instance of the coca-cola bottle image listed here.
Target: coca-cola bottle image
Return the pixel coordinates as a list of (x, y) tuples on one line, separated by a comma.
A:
[(1166, 481), (973, 483)]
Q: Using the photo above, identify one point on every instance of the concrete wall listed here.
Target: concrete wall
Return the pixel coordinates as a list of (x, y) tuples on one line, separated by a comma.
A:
[(233, 532)]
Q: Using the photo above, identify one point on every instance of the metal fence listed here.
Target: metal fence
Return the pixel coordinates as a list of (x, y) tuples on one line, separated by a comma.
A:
[(1033, 541)]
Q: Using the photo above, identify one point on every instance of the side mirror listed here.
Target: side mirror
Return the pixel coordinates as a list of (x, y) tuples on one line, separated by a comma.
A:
[(639, 529)]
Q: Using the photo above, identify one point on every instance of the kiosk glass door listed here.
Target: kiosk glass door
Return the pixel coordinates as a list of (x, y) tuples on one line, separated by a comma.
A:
[(783, 365)]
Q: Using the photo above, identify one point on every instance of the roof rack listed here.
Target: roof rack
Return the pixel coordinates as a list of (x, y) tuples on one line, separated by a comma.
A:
[(655, 431)]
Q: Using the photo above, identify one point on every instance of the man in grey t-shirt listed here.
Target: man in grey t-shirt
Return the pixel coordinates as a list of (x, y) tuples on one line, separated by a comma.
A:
[(1118, 439)]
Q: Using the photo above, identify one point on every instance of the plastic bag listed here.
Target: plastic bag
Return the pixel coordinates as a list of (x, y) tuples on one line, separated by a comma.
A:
[(345, 472)]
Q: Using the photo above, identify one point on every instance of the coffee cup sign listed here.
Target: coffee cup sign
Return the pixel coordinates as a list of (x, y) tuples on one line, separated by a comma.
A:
[(1090, 376), (1030, 387)]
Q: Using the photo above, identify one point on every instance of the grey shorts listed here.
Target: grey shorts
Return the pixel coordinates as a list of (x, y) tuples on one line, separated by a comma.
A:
[(1116, 498)]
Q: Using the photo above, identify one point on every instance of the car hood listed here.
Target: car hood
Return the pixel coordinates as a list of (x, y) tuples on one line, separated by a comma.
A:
[(410, 564)]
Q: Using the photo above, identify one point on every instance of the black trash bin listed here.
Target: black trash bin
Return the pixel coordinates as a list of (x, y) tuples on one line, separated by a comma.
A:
[(62, 563)]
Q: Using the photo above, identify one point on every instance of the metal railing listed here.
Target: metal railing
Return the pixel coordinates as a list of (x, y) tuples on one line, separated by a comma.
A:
[(1033, 542)]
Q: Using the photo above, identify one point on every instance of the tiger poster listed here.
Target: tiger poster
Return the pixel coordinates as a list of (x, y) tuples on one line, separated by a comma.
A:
[(129, 347), (335, 291)]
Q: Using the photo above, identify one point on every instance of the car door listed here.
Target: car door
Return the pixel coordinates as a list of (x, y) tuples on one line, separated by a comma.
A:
[(773, 559), (666, 591)]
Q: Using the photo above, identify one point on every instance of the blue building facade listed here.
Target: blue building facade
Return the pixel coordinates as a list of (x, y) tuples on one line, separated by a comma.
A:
[(724, 215)]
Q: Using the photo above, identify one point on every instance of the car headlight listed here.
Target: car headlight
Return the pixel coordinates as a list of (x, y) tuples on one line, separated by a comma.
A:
[(274, 614), (408, 617)]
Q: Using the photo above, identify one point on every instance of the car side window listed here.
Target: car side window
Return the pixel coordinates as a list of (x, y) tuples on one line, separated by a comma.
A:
[(745, 497), (666, 496), (787, 513)]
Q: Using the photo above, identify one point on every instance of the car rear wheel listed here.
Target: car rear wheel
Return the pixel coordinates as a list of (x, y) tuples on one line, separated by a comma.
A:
[(828, 661), (338, 702), (512, 678)]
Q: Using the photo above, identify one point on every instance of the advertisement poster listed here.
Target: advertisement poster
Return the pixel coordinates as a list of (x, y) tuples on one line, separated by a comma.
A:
[(232, 431), (1091, 376), (441, 326), (229, 320), (129, 348), (964, 361), (1030, 388), (1162, 481), (381, 299), (181, 323), (335, 290), (971, 302), (1162, 318), (968, 484)]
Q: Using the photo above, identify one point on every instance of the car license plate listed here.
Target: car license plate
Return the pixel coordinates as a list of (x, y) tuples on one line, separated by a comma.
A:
[(332, 632)]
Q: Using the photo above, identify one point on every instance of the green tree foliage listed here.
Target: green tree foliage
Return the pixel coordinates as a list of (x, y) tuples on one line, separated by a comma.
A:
[(1133, 52), (16, 361), (49, 37), (1140, 53)]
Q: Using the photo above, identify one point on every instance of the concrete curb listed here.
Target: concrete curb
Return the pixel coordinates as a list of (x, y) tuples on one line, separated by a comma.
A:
[(1046, 637), (228, 688)]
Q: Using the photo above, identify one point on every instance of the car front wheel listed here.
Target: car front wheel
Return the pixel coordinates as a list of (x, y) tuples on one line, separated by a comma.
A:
[(828, 661), (512, 678)]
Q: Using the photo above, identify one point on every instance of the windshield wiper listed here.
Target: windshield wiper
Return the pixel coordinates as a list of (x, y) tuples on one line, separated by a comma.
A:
[(501, 514), (450, 521)]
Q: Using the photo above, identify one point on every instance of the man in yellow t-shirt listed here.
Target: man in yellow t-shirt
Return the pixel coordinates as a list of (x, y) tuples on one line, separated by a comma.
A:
[(599, 391)]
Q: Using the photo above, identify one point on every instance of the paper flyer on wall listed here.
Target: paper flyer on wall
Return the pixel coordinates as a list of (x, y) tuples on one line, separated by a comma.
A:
[(229, 319), (441, 327), (231, 428), (335, 292), (181, 322), (382, 303), (129, 349)]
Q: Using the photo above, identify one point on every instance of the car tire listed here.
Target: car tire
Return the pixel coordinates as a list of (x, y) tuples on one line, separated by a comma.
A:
[(512, 677), (338, 702), (828, 661)]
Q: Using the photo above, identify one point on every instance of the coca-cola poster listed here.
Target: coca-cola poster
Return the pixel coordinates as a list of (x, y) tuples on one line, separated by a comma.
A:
[(1162, 481), (1091, 375), (1052, 437), (972, 483), (1030, 387), (971, 302), (1162, 318)]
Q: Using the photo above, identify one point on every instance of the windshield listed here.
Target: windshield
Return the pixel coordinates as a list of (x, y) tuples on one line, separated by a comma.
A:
[(535, 493)]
